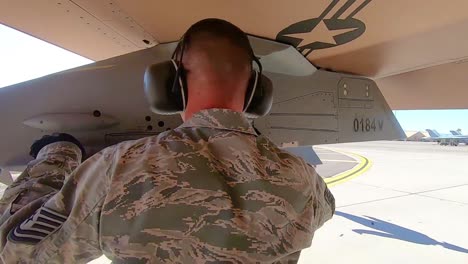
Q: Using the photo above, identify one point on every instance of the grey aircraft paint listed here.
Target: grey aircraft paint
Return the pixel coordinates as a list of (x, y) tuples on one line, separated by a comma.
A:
[(310, 106)]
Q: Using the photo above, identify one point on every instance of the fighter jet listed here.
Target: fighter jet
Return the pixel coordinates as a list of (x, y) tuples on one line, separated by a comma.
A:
[(460, 136), (442, 139), (338, 67), (457, 133)]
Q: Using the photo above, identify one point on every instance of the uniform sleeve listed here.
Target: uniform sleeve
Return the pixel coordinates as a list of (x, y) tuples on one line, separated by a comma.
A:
[(50, 214), (324, 202)]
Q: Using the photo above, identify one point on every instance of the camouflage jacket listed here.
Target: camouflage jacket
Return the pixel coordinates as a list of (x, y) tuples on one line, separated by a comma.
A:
[(209, 191)]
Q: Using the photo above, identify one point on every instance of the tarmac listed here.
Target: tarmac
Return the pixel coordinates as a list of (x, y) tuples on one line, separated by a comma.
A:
[(410, 206), (334, 162)]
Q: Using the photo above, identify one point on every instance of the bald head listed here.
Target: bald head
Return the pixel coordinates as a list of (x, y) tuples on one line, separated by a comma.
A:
[(217, 59)]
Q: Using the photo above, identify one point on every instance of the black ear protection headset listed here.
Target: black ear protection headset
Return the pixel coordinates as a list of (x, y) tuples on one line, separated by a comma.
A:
[(166, 86)]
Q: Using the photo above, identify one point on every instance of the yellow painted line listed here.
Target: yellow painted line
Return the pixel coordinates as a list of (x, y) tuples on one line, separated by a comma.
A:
[(332, 160), (363, 166)]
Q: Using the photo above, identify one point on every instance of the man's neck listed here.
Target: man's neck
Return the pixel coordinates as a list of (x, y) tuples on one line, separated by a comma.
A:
[(193, 109), (210, 94)]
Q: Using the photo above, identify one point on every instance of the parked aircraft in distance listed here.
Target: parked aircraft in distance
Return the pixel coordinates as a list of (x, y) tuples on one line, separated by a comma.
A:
[(457, 133), (444, 140)]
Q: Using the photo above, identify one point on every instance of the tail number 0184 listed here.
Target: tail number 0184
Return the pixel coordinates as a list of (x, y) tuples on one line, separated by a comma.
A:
[(367, 125)]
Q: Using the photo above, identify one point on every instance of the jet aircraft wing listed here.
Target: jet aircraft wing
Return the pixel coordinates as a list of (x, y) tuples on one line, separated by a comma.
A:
[(415, 52)]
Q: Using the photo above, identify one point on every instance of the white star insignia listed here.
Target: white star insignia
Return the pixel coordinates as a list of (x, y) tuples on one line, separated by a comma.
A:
[(319, 34)]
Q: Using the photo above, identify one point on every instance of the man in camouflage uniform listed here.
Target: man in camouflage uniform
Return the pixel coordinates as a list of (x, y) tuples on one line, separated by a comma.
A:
[(209, 191)]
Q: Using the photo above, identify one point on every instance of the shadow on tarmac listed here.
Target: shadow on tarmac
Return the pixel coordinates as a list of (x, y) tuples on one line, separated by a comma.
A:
[(394, 231)]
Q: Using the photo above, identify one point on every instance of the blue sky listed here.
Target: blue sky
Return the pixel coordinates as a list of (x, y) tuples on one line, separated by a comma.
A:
[(441, 120), (23, 57)]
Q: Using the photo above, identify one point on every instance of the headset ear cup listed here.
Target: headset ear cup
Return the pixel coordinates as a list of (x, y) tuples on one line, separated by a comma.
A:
[(262, 98), (165, 88)]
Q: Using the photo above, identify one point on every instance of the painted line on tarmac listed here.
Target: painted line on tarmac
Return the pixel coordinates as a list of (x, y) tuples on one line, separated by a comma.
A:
[(363, 166), (332, 160)]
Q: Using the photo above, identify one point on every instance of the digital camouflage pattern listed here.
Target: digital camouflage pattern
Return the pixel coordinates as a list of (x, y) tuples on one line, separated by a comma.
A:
[(209, 191)]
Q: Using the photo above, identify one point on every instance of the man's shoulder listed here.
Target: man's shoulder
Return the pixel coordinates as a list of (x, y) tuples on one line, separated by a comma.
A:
[(136, 144), (268, 148), (144, 144)]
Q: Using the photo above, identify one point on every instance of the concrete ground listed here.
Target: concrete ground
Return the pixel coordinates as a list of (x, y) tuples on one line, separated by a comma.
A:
[(411, 206), (333, 162)]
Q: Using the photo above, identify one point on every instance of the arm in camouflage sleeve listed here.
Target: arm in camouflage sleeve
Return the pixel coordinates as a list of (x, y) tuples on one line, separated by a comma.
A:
[(51, 212), (325, 202), (42, 178)]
